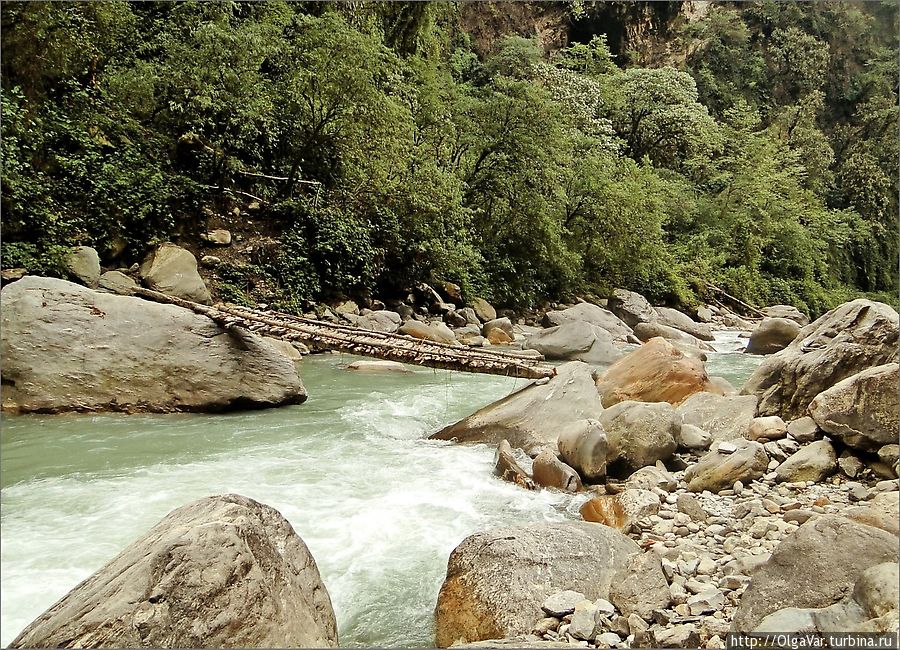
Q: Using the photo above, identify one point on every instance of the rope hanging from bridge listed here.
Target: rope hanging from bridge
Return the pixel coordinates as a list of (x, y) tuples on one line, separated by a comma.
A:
[(368, 343)]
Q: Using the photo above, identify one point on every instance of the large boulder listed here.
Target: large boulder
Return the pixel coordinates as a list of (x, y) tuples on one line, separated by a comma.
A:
[(639, 434), (172, 270), (724, 417), (497, 580), (484, 310), (437, 332), (787, 311), (816, 566), (814, 462), (381, 320), (631, 307), (533, 416), (655, 372), (68, 348), (223, 572), (683, 322), (584, 446), (592, 314), (741, 460), (861, 410), (646, 331), (772, 335), (851, 338), (83, 265), (549, 471), (575, 341)]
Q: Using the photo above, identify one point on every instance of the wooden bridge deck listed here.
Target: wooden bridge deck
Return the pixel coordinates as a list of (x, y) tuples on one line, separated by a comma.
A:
[(354, 340)]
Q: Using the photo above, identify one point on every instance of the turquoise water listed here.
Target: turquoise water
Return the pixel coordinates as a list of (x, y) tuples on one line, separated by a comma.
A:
[(379, 506)]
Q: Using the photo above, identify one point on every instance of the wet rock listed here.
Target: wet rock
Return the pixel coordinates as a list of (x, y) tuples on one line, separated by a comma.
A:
[(533, 416), (767, 428), (83, 265), (847, 340), (172, 270), (639, 433), (631, 307), (550, 471), (814, 462), (584, 446), (814, 567), (719, 469), (723, 417), (65, 347), (589, 313), (224, 571), (379, 366), (772, 335), (655, 372), (497, 580), (863, 410), (640, 586), (674, 318), (507, 467), (578, 341)]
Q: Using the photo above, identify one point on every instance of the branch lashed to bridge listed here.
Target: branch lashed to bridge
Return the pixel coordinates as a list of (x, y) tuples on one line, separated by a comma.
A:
[(380, 345)]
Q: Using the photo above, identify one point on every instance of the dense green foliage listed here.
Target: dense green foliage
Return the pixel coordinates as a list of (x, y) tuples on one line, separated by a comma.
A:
[(766, 165)]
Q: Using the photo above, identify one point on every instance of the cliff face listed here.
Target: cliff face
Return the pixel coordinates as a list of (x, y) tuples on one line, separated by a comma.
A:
[(644, 31)]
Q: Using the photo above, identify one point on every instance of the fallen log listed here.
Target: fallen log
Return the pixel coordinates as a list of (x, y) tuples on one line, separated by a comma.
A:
[(379, 345)]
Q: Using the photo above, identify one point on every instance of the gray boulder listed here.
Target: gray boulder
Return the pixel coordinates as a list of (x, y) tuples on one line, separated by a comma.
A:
[(592, 314), (787, 311), (631, 307), (549, 471), (575, 341), (851, 338), (484, 310), (497, 580), (740, 460), (172, 270), (507, 467), (224, 571), (502, 324), (83, 264), (583, 445), (533, 416), (640, 586), (813, 462), (117, 282), (646, 331), (68, 348), (382, 320), (772, 335), (640, 433), (432, 332), (723, 417), (861, 410), (683, 322), (816, 566)]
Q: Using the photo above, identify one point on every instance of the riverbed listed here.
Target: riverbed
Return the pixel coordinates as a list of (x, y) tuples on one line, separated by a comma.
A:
[(379, 505)]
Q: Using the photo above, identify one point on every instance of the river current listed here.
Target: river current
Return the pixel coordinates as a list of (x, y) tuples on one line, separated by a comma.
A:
[(378, 504)]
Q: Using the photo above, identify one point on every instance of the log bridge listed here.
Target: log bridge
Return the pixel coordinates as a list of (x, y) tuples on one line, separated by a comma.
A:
[(367, 343)]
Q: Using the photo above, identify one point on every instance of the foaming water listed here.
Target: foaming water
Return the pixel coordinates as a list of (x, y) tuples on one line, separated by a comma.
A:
[(729, 360), (379, 506)]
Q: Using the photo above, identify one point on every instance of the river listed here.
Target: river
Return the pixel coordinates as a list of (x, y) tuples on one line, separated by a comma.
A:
[(379, 506)]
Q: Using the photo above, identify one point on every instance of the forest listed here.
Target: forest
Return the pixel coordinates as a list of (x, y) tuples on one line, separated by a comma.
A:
[(376, 145)]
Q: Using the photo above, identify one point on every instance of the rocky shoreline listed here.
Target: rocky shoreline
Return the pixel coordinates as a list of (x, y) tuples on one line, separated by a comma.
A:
[(705, 509)]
